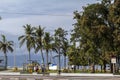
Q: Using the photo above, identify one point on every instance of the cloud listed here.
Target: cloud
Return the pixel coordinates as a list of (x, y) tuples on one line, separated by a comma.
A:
[(14, 25), (41, 6), (11, 23)]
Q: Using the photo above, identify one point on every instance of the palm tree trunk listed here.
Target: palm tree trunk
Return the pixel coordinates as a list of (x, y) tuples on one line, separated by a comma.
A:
[(65, 62), (47, 60), (29, 57), (6, 61), (59, 67), (51, 57), (42, 57)]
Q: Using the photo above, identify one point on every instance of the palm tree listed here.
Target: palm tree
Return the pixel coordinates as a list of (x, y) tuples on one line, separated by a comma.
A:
[(39, 33), (6, 46), (65, 47), (47, 45), (28, 38), (59, 38)]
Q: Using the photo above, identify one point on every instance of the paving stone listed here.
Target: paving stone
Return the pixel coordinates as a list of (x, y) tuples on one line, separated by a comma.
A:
[(47, 79), (5, 79), (14, 78), (63, 79), (22, 79), (30, 78), (38, 79)]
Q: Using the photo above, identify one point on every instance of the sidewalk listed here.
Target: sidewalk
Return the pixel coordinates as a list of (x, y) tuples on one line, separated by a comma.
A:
[(7, 72)]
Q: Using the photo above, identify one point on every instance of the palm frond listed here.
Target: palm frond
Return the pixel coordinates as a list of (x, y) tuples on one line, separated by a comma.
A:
[(22, 41), (21, 37), (10, 48), (3, 38), (37, 49)]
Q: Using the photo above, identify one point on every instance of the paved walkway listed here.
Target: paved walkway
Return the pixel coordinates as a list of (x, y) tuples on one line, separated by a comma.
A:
[(62, 74), (7, 75), (33, 77)]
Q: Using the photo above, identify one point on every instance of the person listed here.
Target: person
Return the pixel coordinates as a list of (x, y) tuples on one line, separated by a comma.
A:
[(34, 68), (37, 69), (72, 67)]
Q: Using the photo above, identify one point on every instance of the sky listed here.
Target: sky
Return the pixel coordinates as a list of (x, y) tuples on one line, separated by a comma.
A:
[(50, 14)]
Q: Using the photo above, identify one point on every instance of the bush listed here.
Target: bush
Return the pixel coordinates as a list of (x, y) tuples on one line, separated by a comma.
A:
[(39, 71), (15, 69), (30, 70), (66, 70)]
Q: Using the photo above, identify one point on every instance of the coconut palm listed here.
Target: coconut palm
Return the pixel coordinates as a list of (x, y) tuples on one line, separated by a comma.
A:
[(39, 33), (28, 38), (6, 46), (47, 45), (65, 47), (59, 37)]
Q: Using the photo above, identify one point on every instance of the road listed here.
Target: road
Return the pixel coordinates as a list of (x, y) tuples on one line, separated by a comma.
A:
[(38, 77)]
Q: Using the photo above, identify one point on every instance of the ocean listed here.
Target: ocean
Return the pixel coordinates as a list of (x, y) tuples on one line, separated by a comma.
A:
[(19, 60)]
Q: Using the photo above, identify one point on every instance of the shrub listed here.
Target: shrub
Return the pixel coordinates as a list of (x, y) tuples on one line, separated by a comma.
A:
[(15, 69), (66, 70)]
